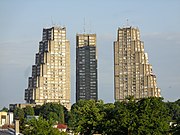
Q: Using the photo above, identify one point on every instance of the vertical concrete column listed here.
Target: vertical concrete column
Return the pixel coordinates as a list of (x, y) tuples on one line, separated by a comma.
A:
[(16, 127)]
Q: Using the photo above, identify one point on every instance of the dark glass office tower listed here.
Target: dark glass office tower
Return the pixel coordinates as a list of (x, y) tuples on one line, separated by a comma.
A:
[(86, 67)]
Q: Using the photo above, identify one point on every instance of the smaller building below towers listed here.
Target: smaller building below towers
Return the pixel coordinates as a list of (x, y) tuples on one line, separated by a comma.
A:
[(6, 118)]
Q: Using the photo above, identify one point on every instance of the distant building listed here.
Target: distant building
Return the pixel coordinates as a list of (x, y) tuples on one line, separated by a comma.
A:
[(62, 127), (10, 118), (50, 80), (20, 105), (3, 118), (30, 117), (133, 74), (6, 118), (86, 67)]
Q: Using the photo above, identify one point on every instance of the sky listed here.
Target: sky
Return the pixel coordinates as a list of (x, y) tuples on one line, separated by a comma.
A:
[(21, 24)]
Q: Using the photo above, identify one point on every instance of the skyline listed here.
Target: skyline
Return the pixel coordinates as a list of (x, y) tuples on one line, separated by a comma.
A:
[(22, 23)]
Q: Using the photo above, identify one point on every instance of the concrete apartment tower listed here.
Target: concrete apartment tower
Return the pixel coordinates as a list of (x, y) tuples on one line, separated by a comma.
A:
[(86, 67), (133, 74), (50, 80)]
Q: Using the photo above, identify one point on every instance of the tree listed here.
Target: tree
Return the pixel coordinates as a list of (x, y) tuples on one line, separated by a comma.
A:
[(40, 127), (176, 128), (53, 111), (63, 133), (37, 109), (66, 115), (53, 116), (28, 111), (174, 112), (148, 116), (153, 117), (86, 116), (19, 114), (108, 123), (126, 117), (178, 102), (4, 109)]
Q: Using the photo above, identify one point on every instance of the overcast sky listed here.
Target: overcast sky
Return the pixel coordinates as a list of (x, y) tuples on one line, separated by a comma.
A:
[(21, 24)]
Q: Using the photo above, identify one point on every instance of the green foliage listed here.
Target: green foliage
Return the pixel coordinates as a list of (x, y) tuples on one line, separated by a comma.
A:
[(86, 116), (174, 111), (125, 114), (148, 116), (53, 111), (4, 109), (66, 115), (40, 127), (63, 133), (19, 114), (153, 117), (176, 129), (178, 102), (108, 123), (37, 109), (28, 111)]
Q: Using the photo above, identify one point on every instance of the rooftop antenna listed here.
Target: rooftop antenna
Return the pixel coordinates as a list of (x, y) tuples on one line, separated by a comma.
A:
[(90, 25), (127, 22), (52, 23), (84, 26)]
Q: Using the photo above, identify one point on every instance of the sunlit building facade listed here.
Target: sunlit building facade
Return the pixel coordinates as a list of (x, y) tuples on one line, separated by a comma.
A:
[(133, 74), (50, 80)]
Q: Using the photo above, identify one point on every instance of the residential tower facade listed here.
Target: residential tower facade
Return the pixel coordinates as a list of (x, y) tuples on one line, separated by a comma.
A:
[(50, 79), (133, 74)]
